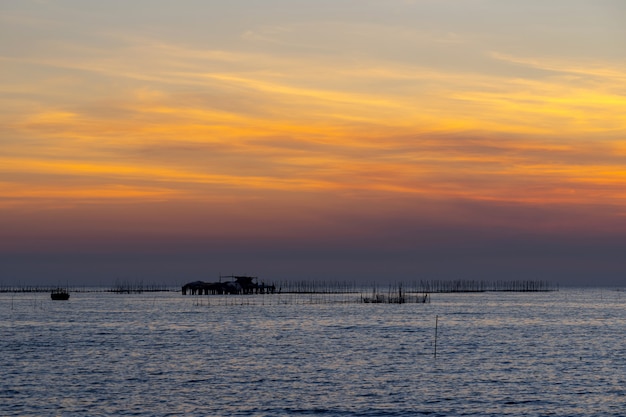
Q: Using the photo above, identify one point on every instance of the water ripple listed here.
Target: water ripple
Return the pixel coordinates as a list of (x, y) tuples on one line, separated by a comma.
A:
[(497, 354)]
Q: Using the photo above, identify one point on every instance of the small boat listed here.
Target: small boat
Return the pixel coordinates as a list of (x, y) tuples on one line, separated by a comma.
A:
[(59, 294)]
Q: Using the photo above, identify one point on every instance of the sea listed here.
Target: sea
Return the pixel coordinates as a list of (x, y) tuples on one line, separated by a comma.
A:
[(558, 353)]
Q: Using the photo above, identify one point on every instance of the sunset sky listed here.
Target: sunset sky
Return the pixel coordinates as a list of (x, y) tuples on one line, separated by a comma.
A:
[(387, 140)]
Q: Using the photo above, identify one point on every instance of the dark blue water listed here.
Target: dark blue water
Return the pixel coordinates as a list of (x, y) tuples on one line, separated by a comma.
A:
[(157, 354)]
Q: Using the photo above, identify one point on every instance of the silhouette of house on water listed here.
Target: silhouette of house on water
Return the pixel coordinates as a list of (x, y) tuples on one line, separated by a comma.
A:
[(236, 285)]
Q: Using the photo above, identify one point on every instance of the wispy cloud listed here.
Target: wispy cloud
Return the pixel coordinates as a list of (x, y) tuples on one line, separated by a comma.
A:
[(142, 118)]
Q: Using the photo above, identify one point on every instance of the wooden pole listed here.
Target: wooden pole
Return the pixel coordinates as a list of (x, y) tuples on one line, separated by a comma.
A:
[(436, 325)]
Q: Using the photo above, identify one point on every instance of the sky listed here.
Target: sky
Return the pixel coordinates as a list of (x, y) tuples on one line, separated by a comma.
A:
[(361, 140)]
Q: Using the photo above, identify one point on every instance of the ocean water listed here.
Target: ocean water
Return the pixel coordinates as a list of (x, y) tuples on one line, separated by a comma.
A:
[(163, 354)]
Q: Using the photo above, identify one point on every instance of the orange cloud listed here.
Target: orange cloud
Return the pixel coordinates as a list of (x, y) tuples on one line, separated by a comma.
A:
[(171, 122)]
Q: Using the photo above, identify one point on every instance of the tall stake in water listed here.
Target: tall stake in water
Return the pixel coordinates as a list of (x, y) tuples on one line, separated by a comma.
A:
[(436, 323)]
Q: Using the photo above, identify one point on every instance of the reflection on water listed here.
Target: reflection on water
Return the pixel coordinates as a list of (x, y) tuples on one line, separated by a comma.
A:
[(519, 354)]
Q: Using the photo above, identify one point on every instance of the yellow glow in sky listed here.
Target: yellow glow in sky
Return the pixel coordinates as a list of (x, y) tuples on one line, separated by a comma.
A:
[(421, 109)]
